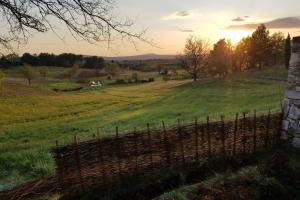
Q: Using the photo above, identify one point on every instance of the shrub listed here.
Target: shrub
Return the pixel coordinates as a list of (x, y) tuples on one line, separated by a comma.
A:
[(43, 71), (151, 79), (29, 73), (72, 72), (271, 188), (120, 81), (135, 77), (166, 78), (1, 77)]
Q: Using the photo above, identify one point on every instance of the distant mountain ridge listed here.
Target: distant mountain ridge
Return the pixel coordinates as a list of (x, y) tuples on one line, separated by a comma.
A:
[(142, 57)]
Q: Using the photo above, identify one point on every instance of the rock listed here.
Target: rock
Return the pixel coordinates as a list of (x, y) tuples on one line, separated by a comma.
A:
[(293, 94), (285, 125)]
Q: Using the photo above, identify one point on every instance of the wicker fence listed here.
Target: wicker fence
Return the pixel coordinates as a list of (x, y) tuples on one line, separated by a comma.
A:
[(97, 162)]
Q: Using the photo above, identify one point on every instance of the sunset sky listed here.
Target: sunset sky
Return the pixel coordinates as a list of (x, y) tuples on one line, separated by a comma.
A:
[(169, 22)]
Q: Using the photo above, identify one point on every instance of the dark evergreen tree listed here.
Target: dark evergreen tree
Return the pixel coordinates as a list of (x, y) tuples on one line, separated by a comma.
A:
[(287, 51)]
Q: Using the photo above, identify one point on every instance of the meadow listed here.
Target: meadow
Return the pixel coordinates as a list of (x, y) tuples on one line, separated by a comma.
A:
[(33, 117)]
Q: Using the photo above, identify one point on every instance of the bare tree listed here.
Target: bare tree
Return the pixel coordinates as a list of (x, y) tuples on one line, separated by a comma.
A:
[(91, 20), (195, 56)]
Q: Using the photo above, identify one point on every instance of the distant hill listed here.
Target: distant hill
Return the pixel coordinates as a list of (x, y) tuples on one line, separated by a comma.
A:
[(142, 57)]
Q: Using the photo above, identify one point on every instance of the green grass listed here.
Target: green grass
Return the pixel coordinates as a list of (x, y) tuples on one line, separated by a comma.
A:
[(33, 118)]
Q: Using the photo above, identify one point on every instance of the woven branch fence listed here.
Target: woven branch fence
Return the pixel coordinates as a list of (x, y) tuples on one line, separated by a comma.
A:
[(97, 162), (104, 161)]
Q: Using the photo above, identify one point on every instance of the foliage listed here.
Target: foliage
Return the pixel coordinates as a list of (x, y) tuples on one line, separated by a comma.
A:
[(72, 71), (46, 59), (1, 78), (43, 71), (220, 58), (29, 73), (135, 77), (94, 62), (112, 68), (287, 51)]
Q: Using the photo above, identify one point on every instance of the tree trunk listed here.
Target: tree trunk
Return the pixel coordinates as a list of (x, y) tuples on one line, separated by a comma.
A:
[(195, 77), (29, 81)]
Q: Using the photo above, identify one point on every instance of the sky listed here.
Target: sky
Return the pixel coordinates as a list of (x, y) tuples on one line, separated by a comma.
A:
[(170, 22)]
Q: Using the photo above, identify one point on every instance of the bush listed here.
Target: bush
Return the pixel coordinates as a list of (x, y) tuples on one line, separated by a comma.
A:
[(29, 73), (166, 78), (135, 77), (83, 81), (1, 78), (271, 188), (43, 71), (120, 81), (151, 79)]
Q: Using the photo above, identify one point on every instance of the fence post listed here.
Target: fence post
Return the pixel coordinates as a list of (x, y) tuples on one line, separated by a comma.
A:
[(244, 133), (279, 131), (208, 136), (180, 140), (150, 145), (60, 172), (234, 133), (267, 129), (167, 145), (223, 135), (100, 156), (78, 162), (135, 150), (196, 139), (254, 131), (118, 151)]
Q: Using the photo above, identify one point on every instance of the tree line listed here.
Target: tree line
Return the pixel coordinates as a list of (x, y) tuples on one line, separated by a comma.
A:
[(253, 52), (47, 59)]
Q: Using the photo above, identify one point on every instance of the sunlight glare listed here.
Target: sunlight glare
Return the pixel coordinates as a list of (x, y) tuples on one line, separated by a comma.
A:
[(235, 35)]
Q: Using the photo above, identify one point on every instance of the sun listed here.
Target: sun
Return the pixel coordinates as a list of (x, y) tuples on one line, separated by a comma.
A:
[(235, 35)]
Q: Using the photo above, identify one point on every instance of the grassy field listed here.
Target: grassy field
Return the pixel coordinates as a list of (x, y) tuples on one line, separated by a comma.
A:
[(33, 118)]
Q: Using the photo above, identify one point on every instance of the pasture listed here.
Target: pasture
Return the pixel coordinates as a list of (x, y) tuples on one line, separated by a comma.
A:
[(33, 117)]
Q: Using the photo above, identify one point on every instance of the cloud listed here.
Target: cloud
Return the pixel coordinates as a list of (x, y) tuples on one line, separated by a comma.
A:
[(186, 14), (238, 19), (280, 23), (185, 30)]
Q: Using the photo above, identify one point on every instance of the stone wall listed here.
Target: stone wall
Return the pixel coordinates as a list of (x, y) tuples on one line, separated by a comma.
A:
[(291, 103)]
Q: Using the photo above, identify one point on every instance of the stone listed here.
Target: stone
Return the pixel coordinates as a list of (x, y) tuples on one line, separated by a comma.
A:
[(293, 94), (294, 113), (291, 103), (285, 125), (296, 142)]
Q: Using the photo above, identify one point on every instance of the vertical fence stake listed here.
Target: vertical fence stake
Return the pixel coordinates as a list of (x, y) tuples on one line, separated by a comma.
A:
[(267, 129), (196, 140), (150, 146), (244, 133), (279, 131), (179, 131), (167, 145), (254, 131), (100, 156), (78, 162), (208, 136), (223, 135), (118, 151), (135, 150), (234, 133), (60, 172)]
